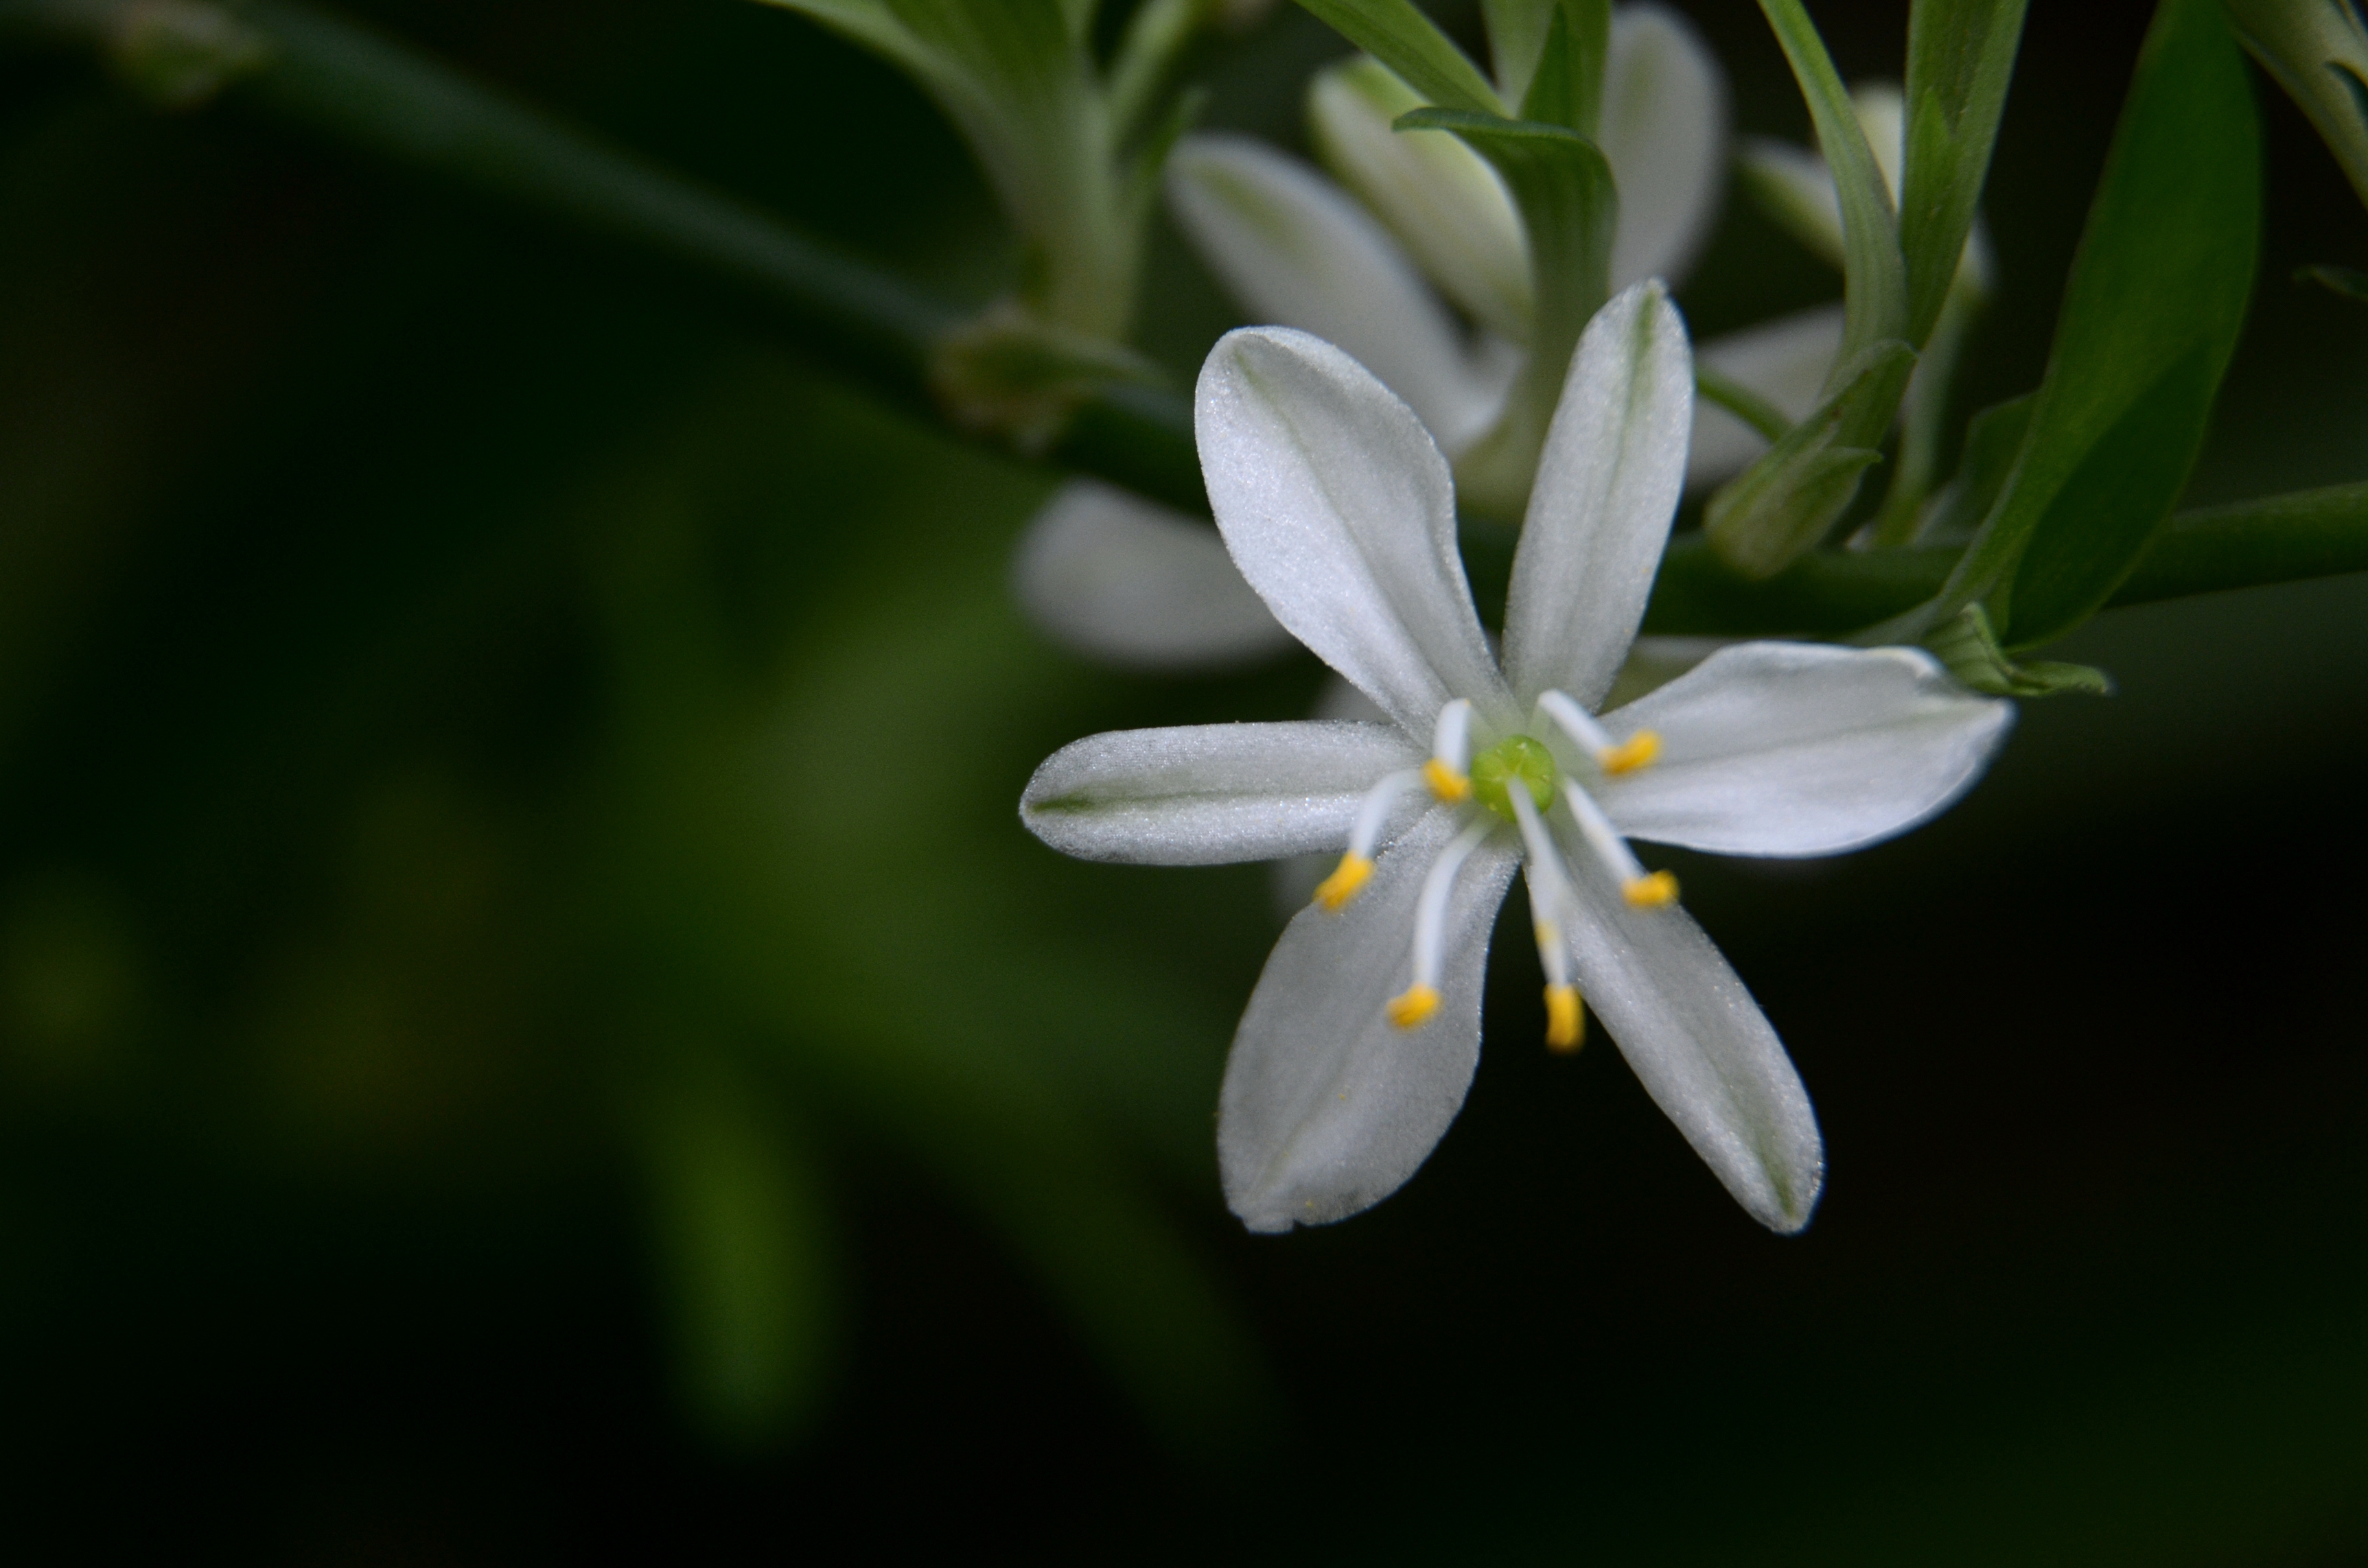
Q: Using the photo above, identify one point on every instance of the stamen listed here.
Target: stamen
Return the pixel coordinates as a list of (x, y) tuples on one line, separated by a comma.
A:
[(1449, 770), (1372, 815), (1654, 891), (1549, 887), (1420, 1000), (1614, 757)]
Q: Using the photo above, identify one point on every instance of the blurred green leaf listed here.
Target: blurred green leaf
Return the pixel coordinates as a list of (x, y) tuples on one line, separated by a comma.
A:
[(2344, 282), (743, 1240), (1874, 275), (1401, 38), (1570, 210), (2150, 317), (1960, 61)]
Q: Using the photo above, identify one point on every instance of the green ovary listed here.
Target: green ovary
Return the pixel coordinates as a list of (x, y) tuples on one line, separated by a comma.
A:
[(1494, 770)]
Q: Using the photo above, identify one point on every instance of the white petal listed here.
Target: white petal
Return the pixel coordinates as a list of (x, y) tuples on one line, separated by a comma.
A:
[(1697, 1041), (1785, 361), (1664, 136), (1122, 579), (1799, 748), (1438, 197), (1296, 250), (1801, 189), (1338, 509), (1212, 794), (1327, 1108), (1607, 488)]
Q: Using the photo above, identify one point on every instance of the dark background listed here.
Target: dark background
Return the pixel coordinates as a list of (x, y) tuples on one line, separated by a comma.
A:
[(452, 675)]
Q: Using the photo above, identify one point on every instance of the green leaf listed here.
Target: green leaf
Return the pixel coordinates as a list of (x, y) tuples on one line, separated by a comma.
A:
[(1409, 43), (1970, 648), (1875, 276), (1782, 504), (1566, 89), (1960, 59), (2150, 316), (1570, 210)]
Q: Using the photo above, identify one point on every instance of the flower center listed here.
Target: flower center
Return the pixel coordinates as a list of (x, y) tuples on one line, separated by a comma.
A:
[(1517, 760)]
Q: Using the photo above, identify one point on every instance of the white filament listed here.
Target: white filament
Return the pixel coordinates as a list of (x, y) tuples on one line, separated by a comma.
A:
[(1601, 836), (1549, 887), (1576, 722), (1451, 738), (1373, 813), (1430, 910)]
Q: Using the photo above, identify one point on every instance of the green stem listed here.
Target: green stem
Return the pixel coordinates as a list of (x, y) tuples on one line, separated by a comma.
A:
[(353, 86), (1742, 402), (2279, 538)]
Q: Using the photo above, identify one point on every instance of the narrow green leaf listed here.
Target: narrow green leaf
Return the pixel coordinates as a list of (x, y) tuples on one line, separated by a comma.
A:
[(1517, 40), (1567, 87), (1960, 60), (1874, 286), (2150, 316), (1970, 648), (1783, 504), (1993, 442), (1410, 44), (1570, 210)]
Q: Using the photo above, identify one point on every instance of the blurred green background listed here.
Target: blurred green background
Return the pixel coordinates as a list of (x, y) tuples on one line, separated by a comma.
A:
[(530, 1028)]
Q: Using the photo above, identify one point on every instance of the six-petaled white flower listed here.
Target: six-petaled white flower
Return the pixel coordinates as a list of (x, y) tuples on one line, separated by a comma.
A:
[(1361, 1040)]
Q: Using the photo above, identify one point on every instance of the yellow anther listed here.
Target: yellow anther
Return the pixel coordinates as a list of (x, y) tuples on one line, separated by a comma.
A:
[(1445, 782), (1415, 1007), (1565, 1020), (1632, 754), (1342, 885), (1656, 891)]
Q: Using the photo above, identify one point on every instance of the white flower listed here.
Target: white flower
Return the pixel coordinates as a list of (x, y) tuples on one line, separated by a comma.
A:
[(1360, 1043)]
